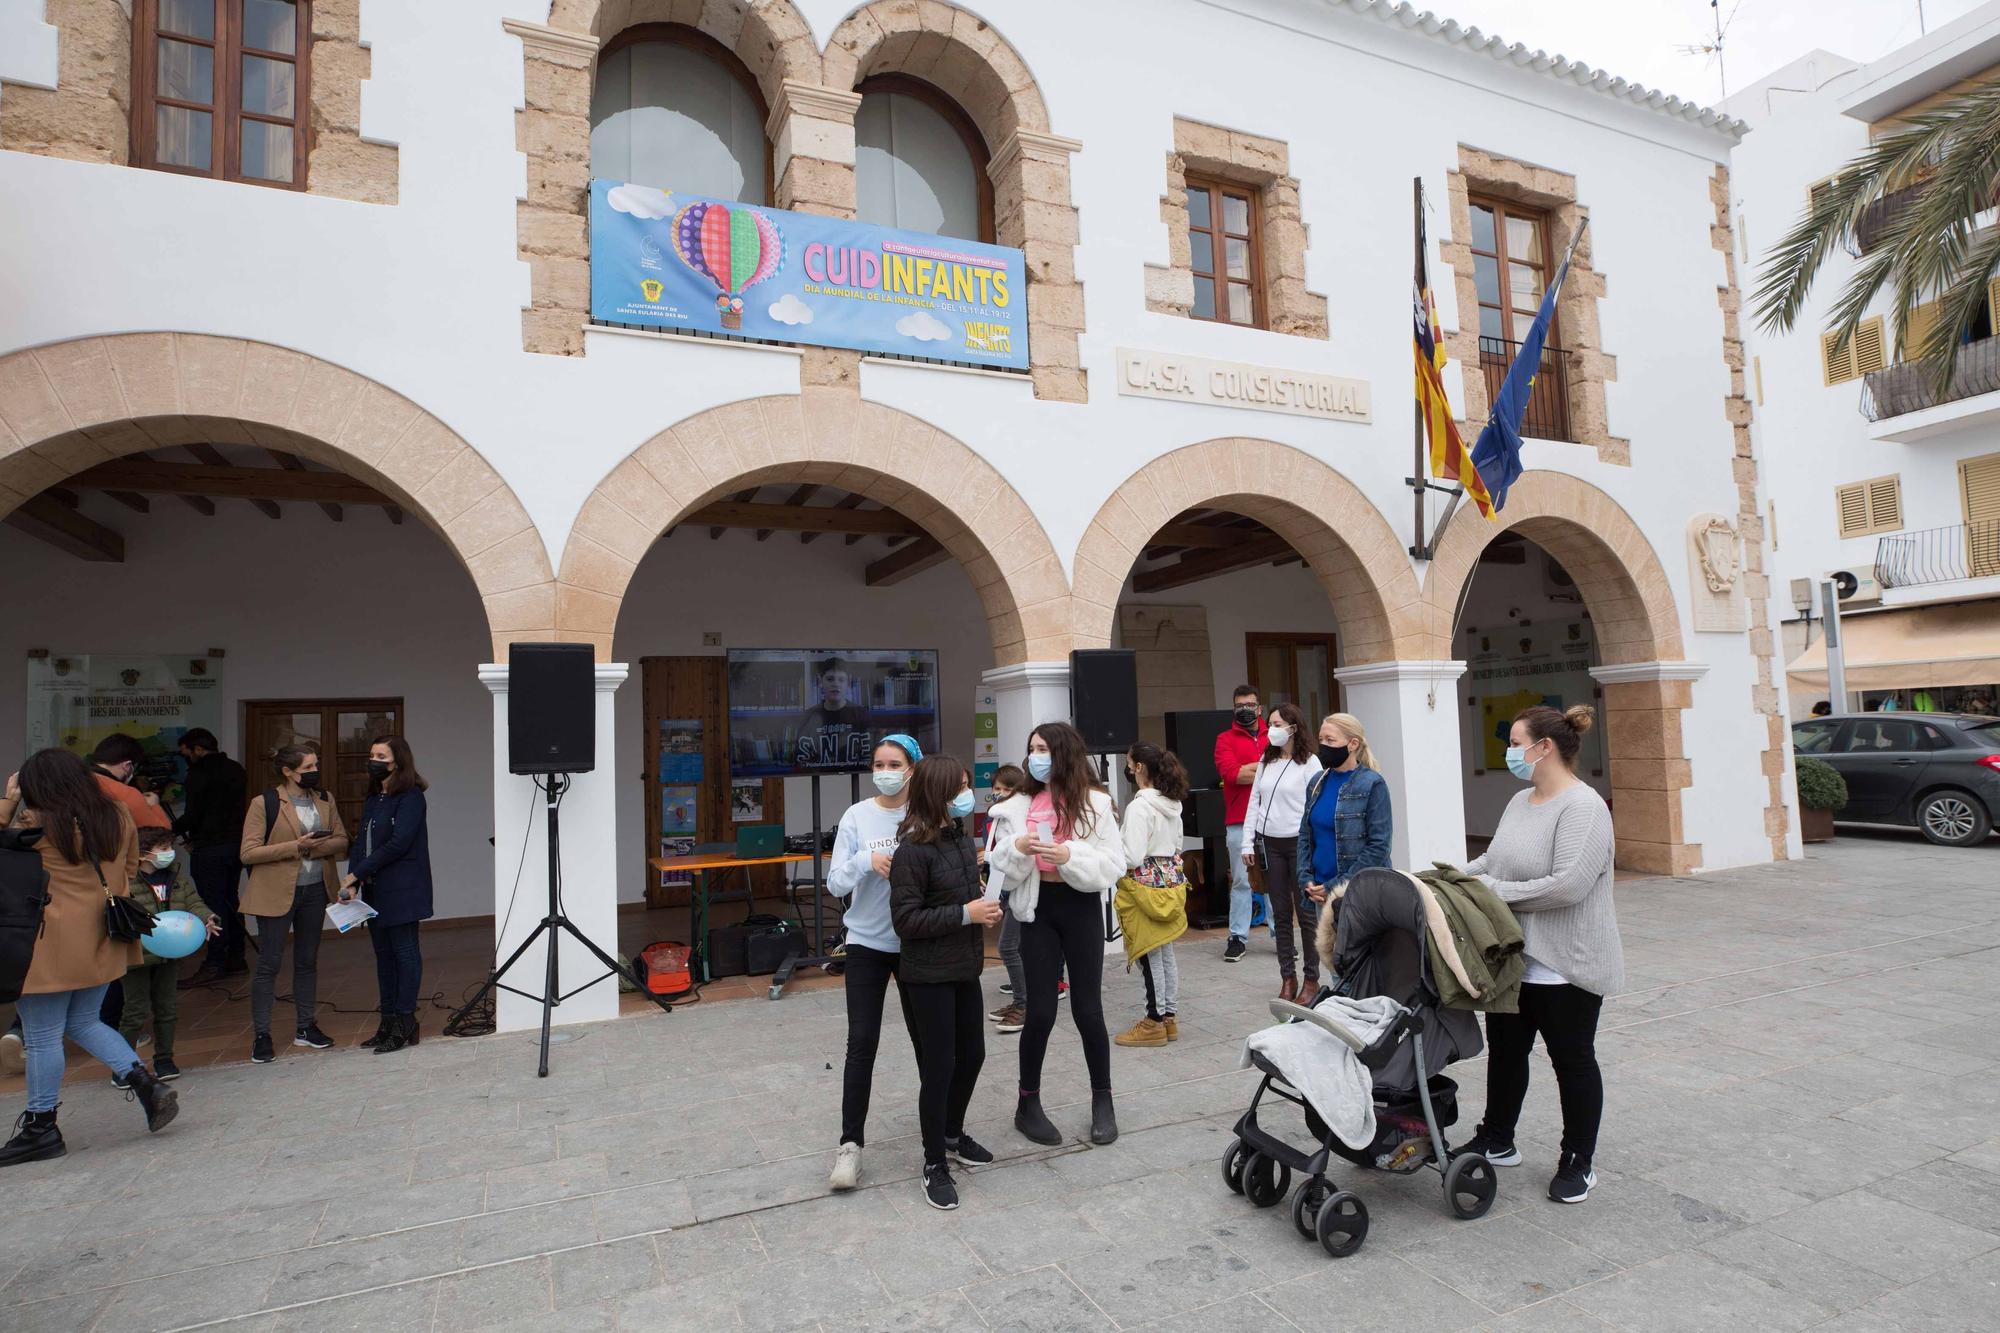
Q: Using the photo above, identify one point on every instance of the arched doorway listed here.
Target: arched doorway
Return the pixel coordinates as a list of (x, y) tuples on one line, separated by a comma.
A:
[(1564, 598), (792, 523), (290, 551)]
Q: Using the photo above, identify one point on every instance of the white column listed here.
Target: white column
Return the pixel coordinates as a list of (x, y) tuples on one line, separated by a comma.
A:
[(589, 868), (1411, 715), (1025, 695)]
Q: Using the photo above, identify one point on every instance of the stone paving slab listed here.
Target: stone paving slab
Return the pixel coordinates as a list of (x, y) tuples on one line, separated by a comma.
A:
[(1802, 1131)]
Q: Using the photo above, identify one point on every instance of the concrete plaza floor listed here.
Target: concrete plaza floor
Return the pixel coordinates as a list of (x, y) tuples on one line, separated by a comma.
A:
[(1803, 1089)]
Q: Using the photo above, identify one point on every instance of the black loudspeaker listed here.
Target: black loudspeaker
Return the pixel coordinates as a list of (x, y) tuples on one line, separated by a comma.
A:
[(1192, 737), (1104, 698), (1204, 813), (551, 722)]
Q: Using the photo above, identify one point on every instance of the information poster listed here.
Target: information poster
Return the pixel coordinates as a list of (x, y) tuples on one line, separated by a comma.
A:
[(1521, 666), (985, 740), (746, 801), (75, 700), (663, 259)]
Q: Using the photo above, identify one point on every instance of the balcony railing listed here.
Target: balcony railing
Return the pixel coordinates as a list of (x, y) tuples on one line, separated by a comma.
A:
[(1938, 555), (1877, 217), (1548, 401), (1906, 386)]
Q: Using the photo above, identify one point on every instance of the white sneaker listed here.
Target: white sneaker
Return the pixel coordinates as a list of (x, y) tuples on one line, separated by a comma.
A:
[(13, 1054), (846, 1173)]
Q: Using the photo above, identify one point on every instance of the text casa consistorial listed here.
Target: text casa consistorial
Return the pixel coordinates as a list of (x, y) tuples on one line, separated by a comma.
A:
[(1193, 379)]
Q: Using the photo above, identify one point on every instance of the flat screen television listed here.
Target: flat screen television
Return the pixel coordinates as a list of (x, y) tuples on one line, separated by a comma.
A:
[(800, 711)]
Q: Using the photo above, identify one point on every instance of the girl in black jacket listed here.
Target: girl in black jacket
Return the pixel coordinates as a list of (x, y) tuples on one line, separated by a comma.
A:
[(941, 913)]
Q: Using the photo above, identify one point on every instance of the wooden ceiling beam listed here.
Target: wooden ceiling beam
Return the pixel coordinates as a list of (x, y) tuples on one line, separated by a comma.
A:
[(848, 501), (806, 518), (61, 526), (201, 504), (922, 554), (1194, 568), (798, 498), (227, 482), (291, 463), (395, 513), (1204, 535), (716, 530), (137, 503)]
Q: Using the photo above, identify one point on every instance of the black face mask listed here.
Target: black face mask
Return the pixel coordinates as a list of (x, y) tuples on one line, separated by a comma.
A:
[(1130, 776), (310, 781), (1332, 756), (377, 770), (1246, 717)]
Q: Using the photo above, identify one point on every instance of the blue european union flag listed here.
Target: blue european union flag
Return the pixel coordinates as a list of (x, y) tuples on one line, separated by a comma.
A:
[(1497, 455)]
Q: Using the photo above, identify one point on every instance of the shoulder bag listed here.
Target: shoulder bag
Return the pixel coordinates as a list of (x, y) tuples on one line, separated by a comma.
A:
[(124, 919), (24, 894)]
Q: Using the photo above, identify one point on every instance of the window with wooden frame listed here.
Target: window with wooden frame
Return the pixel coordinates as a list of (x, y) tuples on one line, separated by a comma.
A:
[(1866, 352), (1868, 507), (1511, 264), (219, 88), (1228, 260), (1979, 501), (1924, 317), (671, 106), (920, 163), (341, 730), (1294, 669)]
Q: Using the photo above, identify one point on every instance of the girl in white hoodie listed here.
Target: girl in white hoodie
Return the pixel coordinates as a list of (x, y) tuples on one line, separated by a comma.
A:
[(1056, 874), (1153, 842)]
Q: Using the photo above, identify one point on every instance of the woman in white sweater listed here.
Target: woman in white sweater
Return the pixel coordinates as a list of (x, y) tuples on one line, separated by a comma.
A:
[(1152, 907), (1056, 876), (1271, 839), (1550, 860)]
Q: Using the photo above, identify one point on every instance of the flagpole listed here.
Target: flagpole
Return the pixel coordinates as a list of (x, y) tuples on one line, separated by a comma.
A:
[(1419, 472)]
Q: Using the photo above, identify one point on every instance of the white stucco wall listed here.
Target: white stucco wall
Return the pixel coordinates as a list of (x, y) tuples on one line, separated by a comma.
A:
[(424, 296)]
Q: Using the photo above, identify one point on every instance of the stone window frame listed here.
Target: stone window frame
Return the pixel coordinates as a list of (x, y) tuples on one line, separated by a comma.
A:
[(88, 115), (1590, 368), (1259, 164)]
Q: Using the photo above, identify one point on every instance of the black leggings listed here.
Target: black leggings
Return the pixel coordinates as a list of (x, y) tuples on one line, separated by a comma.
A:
[(867, 978), (1068, 928), (948, 1024), (1288, 900), (1566, 1018)]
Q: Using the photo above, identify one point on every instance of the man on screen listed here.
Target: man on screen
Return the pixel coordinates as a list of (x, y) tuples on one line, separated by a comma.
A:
[(834, 733)]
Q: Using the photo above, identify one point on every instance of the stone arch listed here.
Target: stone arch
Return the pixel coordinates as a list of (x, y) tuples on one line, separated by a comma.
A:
[(770, 37), (1346, 542), (834, 439), (66, 406), (1637, 627), (964, 55), (1616, 569)]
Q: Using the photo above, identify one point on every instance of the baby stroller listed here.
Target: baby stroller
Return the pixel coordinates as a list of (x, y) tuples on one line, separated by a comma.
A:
[(1380, 932)]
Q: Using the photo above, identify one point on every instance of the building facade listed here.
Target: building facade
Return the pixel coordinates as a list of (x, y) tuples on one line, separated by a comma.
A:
[(1871, 471), (298, 360)]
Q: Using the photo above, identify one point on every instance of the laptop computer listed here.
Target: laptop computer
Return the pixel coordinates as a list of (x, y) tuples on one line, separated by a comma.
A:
[(756, 841)]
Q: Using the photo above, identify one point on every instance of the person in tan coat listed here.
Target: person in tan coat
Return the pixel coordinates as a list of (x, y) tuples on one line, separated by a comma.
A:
[(88, 844), (292, 854)]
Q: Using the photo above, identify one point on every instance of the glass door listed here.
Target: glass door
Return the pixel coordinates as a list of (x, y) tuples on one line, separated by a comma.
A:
[(340, 729), (1294, 669)]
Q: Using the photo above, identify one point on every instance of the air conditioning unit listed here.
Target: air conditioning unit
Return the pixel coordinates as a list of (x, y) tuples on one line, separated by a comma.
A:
[(1861, 578)]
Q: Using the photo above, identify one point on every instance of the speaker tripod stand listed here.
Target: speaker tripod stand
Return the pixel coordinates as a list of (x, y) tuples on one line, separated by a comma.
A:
[(554, 925)]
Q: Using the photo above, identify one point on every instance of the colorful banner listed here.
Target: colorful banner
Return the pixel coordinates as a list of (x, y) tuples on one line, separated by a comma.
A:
[(75, 700), (665, 260)]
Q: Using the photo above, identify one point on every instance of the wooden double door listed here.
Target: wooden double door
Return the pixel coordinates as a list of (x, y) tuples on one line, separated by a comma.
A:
[(341, 730)]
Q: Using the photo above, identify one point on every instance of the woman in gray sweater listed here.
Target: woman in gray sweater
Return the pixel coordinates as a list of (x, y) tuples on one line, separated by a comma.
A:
[(1550, 861)]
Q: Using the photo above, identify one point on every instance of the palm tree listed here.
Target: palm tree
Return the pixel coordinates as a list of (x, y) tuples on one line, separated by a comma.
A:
[(1918, 193)]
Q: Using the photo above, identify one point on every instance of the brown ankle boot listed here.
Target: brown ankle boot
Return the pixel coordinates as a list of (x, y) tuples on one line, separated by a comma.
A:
[(1289, 990)]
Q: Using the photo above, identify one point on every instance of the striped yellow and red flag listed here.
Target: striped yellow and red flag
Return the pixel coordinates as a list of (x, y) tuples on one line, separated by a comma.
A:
[(1450, 459)]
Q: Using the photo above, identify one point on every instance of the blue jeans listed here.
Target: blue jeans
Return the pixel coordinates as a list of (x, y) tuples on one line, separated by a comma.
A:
[(46, 1019), (1239, 885)]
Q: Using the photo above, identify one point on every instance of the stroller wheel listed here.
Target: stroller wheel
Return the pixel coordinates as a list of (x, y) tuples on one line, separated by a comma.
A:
[(1234, 1159), (1306, 1205), (1469, 1185), (1265, 1180), (1342, 1224)]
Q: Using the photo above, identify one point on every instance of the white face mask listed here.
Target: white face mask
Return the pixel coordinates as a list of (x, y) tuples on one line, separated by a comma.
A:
[(1280, 737), (889, 781)]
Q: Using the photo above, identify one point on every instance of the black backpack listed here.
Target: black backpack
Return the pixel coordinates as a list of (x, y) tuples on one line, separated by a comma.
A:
[(24, 895)]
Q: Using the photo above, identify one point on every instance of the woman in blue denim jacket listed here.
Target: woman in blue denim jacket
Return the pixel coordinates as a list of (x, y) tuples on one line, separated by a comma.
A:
[(1346, 824)]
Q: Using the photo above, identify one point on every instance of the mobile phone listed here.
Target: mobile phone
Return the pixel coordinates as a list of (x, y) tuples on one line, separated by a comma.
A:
[(1043, 833)]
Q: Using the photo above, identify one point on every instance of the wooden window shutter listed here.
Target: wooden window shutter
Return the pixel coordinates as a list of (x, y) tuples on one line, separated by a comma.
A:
[(1852, 502), (1923, 318), (1885, 504), (1993, 304), (1835, 367), (1979, 488), (1870, 352)]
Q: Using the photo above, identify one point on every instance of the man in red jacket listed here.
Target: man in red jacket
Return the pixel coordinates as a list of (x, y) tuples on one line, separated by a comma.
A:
[(1237, 753)]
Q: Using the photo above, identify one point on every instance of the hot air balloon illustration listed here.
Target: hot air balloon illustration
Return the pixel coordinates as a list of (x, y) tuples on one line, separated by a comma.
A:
[(732, 248)]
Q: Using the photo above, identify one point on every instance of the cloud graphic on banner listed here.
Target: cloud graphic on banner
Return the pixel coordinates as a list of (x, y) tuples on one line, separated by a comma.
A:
[(922, 326), (789, 309), (641, 201)]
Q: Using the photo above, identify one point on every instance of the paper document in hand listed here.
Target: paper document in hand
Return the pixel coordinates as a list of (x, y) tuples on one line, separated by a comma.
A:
[(346, 916)]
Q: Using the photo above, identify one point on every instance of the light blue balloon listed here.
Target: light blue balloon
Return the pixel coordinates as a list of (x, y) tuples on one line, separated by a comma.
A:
[(175, 935)]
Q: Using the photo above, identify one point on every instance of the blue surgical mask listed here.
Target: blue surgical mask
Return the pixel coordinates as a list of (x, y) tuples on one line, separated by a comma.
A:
[(1519, 765), (961, 805), (889, 781), (164, 857), (1039, 766)]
